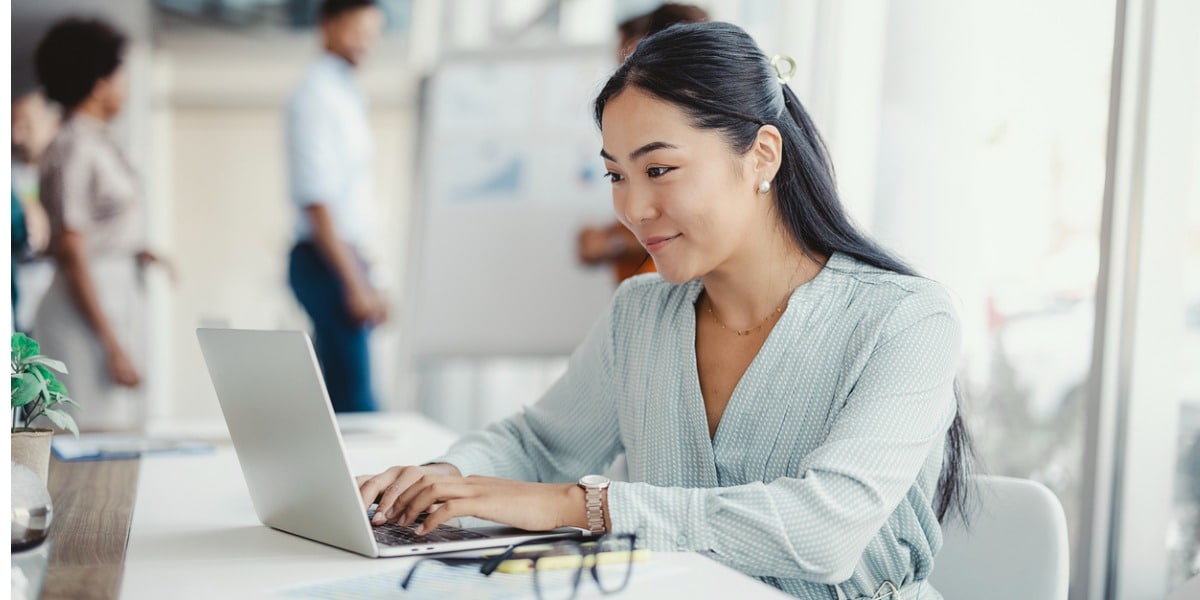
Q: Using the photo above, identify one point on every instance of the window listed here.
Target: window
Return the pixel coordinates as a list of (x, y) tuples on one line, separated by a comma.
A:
[(990, 177), (1183, 535)]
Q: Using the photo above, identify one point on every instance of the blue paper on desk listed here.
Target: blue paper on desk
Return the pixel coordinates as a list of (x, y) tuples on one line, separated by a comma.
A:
[(117, 446)]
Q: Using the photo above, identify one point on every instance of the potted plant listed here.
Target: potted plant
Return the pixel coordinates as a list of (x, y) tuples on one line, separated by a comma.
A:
[(36, 393)]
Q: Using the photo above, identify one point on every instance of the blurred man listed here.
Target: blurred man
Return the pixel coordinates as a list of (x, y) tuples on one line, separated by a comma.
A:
[(329, 152)]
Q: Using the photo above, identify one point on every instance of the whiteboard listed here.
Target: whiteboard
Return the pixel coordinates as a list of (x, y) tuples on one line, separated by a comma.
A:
[(509, 158)]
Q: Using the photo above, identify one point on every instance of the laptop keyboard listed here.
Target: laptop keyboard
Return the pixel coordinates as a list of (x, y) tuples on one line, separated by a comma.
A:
[(392, 534)]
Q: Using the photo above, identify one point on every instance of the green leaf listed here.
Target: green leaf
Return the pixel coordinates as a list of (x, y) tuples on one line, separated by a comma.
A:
[(24, 396), (30, 388), (66, 400), (24, 347), (62, 420), (57, 365), (57, 387), (43, 373)]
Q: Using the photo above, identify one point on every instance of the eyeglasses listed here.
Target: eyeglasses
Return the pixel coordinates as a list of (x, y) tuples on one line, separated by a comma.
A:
[(557, 564)]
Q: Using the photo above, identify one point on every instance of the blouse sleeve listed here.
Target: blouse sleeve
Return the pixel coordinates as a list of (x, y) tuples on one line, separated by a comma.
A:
[(572, 430), (67, 188), (816, 526)]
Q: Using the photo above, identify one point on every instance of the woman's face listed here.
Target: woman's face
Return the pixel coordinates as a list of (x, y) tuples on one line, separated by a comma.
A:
[(689, 198), (110, 91)]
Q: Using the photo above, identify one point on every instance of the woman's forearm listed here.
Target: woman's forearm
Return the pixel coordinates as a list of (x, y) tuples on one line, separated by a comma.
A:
[(72, 260)]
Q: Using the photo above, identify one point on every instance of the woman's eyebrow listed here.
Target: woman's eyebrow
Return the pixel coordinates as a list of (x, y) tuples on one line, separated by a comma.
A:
[(648, 148)]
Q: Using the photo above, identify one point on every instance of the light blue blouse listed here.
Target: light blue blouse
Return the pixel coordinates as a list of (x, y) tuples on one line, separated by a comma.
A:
[(825, 463)]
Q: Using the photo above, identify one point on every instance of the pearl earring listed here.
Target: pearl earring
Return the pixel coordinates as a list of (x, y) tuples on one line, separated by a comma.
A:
[(764, 187)]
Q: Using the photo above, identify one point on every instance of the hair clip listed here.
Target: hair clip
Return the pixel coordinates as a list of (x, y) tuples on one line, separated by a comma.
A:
[(785, 67)]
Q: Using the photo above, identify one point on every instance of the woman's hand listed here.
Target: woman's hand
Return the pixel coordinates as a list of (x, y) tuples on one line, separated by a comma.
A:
[(120, 368), (395, 480), (406, 492), (146, 258)]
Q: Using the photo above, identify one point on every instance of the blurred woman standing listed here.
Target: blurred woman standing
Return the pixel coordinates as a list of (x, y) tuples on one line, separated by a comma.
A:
[(90, 315)]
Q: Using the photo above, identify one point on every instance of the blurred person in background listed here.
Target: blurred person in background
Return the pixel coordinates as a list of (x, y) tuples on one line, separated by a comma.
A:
[(329, 154), (19, 241), (34, 124), (90, 317), (614, 244)]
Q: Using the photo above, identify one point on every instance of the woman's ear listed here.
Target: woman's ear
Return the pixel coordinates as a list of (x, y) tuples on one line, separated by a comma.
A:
[(767, 153)]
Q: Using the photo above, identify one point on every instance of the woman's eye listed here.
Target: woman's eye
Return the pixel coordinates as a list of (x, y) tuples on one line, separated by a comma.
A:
[(614, 177), (655, 172)]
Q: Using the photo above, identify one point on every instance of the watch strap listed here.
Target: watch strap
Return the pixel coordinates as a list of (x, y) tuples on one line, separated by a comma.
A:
[(595, 510)]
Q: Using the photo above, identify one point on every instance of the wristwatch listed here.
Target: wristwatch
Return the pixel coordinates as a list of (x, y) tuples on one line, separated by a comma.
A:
[(593, 486)]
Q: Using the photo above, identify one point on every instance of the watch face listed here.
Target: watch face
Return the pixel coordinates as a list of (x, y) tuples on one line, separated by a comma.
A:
[(593, 480)]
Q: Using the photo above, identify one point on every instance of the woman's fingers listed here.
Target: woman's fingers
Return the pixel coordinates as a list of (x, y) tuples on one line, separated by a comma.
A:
[(450, 509), (404, 480), (439, 492), (359, 480), (419, 496), (370, 486)]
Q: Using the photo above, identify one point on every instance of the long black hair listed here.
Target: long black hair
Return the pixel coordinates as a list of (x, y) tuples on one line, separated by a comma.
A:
[(720, 78)]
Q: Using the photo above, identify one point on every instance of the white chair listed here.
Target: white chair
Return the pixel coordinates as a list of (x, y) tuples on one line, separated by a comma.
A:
[(1014, 546)]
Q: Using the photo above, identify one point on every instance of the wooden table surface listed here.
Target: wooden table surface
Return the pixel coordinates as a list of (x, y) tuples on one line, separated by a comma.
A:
[(93, 508)]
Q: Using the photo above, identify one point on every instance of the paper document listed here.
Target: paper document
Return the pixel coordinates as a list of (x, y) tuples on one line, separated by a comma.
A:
[(114, 446)]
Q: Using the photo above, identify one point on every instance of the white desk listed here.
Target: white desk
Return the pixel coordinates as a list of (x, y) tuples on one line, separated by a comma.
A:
[(195, 535)]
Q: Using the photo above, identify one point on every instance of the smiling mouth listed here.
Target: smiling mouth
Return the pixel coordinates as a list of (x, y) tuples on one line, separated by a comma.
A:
[(657, 243)]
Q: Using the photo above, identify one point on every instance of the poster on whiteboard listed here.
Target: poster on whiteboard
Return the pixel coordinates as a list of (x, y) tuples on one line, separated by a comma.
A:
[(510, 171)]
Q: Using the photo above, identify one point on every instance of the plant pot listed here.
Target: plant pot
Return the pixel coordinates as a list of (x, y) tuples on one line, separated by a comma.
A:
[(32, 449)]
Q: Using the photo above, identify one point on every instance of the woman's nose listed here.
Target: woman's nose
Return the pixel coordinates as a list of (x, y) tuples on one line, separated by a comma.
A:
[(639, 205)]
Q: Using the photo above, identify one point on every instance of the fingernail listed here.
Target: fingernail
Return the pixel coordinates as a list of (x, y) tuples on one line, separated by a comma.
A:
[(420, 530)]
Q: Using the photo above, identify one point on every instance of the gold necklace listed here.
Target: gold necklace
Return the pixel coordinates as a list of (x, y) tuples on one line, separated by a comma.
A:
[(744, 332)]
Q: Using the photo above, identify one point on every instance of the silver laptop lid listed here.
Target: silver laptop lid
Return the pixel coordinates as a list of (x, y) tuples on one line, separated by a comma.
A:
[(283, 428)]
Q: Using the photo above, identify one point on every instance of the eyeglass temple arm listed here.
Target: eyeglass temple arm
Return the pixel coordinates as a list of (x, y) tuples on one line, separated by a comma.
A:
[(448, 560), (492, 563)]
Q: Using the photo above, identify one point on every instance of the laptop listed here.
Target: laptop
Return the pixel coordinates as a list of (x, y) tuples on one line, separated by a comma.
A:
[(292, 456)]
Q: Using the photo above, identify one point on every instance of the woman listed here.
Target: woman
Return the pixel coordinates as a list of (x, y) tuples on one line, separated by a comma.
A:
[(89, 315), (783, 389)]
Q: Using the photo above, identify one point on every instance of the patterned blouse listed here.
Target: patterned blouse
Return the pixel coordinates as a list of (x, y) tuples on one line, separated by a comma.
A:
[(89, 186), (825, 463)]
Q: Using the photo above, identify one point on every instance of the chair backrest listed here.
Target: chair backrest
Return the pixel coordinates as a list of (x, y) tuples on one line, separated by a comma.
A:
[(1015, 545)]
